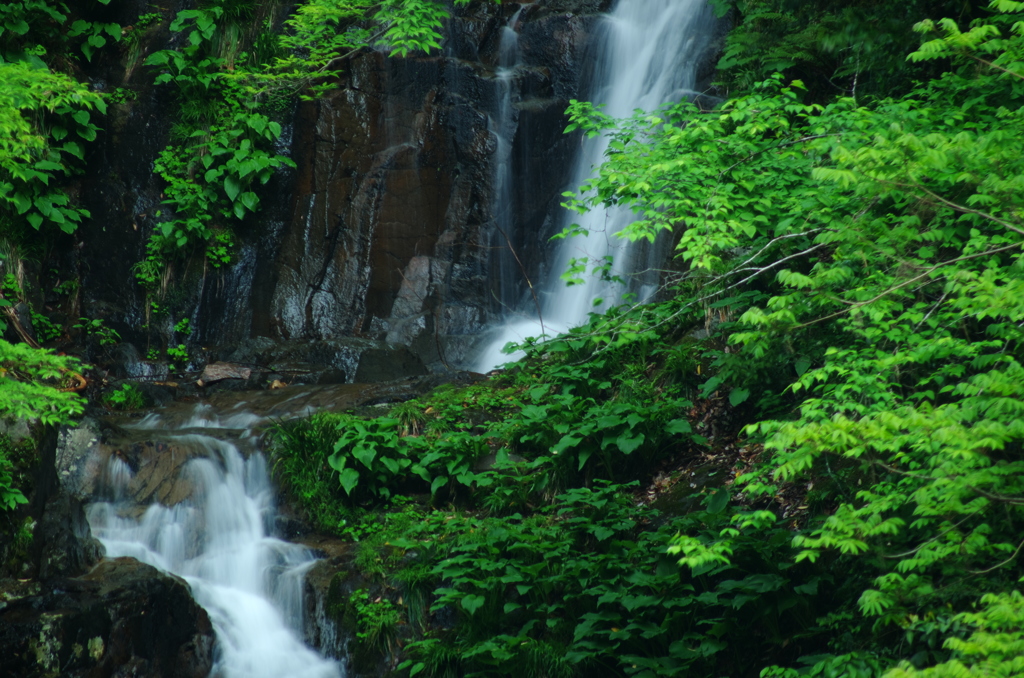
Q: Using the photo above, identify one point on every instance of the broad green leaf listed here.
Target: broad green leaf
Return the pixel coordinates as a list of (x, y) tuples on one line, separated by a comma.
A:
[(438, 483), (349, 478), (232, 186), (472, 602), (738, 396), (718, 501)]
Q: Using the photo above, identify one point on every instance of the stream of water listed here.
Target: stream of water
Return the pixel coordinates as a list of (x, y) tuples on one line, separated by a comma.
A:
[(220, 540), (648, 53), (503, 124)]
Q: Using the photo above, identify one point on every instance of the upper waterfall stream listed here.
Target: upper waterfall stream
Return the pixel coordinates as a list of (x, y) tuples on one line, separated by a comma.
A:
[(219, 537), (647, 55)]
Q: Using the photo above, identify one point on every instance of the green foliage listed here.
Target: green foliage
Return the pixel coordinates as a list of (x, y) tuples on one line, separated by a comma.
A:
[(589, 411), (995, 648), (45, 118), (374, 460), (300, 464), (10, 496), (854, 48), (178, 354), (45, 329), (29, 385), (871, 258), (327, 30), (225, 148), (126, 397), (590, 405), (376, 621), (584, 587), (96, 329), (866, 263), (94, 34)]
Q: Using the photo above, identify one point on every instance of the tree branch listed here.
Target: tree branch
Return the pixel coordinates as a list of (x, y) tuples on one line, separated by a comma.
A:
[(909, 281)]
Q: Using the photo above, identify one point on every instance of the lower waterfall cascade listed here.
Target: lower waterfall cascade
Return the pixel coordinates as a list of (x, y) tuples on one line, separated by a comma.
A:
[(220, 541)]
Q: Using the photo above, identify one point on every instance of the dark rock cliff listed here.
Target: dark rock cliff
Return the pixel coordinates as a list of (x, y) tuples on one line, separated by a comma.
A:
[(385, 230)]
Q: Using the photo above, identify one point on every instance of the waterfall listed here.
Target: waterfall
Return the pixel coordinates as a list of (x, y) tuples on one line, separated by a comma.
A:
[(219, 541), (648, 53), (502, 124)]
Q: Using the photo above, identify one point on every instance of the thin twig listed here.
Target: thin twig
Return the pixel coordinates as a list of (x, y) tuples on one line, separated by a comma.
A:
[(966, 210), (1002, 498), (998, 565), (935, 538)]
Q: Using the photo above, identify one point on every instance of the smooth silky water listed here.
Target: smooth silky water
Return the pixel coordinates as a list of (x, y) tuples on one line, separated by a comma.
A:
[(220, 541), (648, 52)]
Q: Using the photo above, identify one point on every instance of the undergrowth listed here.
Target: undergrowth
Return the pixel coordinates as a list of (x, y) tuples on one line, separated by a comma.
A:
[(502, 522)]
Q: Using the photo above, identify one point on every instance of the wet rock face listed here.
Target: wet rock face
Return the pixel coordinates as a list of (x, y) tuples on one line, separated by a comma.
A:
[(387, 229), (123, 618), (393, 212)]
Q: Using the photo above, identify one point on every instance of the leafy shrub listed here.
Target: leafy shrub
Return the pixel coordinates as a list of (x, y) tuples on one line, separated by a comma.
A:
[(583, 587), (96, 329), (30, 385), (126, 397), (10, 496), (376, 621)]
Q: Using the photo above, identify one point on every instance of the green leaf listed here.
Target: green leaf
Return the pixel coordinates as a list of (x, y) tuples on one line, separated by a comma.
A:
[(738, 395), (718, 501), (709, 387), (628, 443), (678, 427), (365, 454), (21, 202), (349, 479), (250, 200), (75, 149), (472, 603), (438, 483), (232, 186)]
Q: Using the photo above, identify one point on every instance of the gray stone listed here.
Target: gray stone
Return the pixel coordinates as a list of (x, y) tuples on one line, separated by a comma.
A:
[(75, 459)]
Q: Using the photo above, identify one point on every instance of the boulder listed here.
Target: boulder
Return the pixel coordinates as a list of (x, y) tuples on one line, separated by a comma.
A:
[(123, 618)]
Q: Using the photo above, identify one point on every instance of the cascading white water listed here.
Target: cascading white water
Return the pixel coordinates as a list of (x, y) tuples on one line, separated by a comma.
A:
[(502, 124), (648, 55), (218, 540)]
